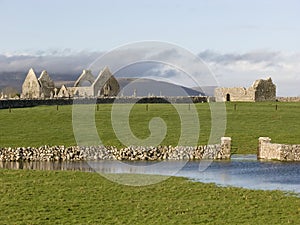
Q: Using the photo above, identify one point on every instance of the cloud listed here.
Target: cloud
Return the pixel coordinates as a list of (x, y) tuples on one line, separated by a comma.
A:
[(53, 61), (159, 60), (229, 69), (242, 69), (253, 57)]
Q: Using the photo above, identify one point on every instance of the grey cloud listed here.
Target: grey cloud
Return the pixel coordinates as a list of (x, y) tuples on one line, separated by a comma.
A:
[(242, 69), (168, 53), (231, 69), (52, 63), (252, 57)]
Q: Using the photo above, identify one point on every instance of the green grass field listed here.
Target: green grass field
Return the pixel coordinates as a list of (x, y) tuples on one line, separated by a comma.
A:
[(44, 125), (66, 197)]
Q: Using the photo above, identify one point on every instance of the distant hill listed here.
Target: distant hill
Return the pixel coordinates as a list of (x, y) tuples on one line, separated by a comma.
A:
[(208, 90), (145, 87), (16, 79), (12, 79)]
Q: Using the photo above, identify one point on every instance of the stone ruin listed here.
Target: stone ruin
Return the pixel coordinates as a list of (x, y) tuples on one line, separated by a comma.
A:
[(261, 90), (105, 85), (34, 87)]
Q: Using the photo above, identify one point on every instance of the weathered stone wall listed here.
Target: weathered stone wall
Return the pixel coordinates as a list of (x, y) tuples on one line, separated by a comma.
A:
[(235, 94), (61, 153), (31, 86), (266, 150), (106, 84), (83, 92), (86, 76), (64, 92), (21, 103), (261, 90), (46, 84), (265, 90), (288, 99), (272, 151)]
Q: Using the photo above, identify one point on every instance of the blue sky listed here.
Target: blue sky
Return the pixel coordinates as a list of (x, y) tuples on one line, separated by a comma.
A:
[(220, 27)]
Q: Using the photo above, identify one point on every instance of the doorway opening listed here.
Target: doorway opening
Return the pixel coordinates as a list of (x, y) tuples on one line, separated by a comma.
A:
[(228, 97)]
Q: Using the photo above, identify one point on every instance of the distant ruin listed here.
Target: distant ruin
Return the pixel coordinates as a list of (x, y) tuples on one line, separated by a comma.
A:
[(34, 87), (261, 90), (105, 85)]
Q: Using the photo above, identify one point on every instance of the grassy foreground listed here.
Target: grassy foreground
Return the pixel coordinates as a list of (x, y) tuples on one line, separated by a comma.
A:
[(66, 197), (44, 125)]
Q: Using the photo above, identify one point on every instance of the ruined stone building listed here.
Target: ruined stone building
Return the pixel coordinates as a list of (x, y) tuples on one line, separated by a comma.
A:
[(261, 90), (105, 85), (34, 87)]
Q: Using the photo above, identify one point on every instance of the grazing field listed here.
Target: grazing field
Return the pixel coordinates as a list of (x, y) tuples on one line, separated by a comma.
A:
[(45, 125), (68, 197)]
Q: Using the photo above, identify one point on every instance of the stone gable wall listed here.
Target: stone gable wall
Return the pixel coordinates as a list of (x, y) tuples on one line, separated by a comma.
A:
[(46, 84), (31, 86), (265, 90), (106, 84)]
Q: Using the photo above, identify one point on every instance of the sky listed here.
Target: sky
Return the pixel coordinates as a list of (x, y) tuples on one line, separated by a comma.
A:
[(240, 41)]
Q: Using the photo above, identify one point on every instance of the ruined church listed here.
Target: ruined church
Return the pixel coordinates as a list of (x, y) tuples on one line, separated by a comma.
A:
[(86, 86), (261, 90), (34, 87)]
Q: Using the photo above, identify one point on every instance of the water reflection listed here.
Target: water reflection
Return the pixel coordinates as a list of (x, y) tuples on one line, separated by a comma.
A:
[(80, 166), (241, 171)]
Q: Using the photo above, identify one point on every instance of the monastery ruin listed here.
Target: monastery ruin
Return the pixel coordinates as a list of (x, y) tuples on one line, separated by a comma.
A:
[(261, 90), (86, 86), (106, 85)]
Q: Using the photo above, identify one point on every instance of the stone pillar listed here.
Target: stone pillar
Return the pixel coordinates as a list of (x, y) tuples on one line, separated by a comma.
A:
[(261, 144), (55, 92), (134, 93), (226, 147)]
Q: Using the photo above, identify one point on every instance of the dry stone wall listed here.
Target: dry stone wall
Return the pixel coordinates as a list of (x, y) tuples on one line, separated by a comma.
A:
[(288, 99), (273, 151), (21, 103), (76, 153)]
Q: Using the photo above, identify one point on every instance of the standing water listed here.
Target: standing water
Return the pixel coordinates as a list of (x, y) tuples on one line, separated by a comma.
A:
[(241, 171)]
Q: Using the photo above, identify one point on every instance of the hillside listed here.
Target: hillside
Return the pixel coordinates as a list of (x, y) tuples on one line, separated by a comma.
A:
[(143, 87)]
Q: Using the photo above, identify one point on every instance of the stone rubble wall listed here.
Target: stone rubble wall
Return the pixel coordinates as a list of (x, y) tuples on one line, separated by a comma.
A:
[(21, 103), (273, 151), (288, 99), (76, 153)]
